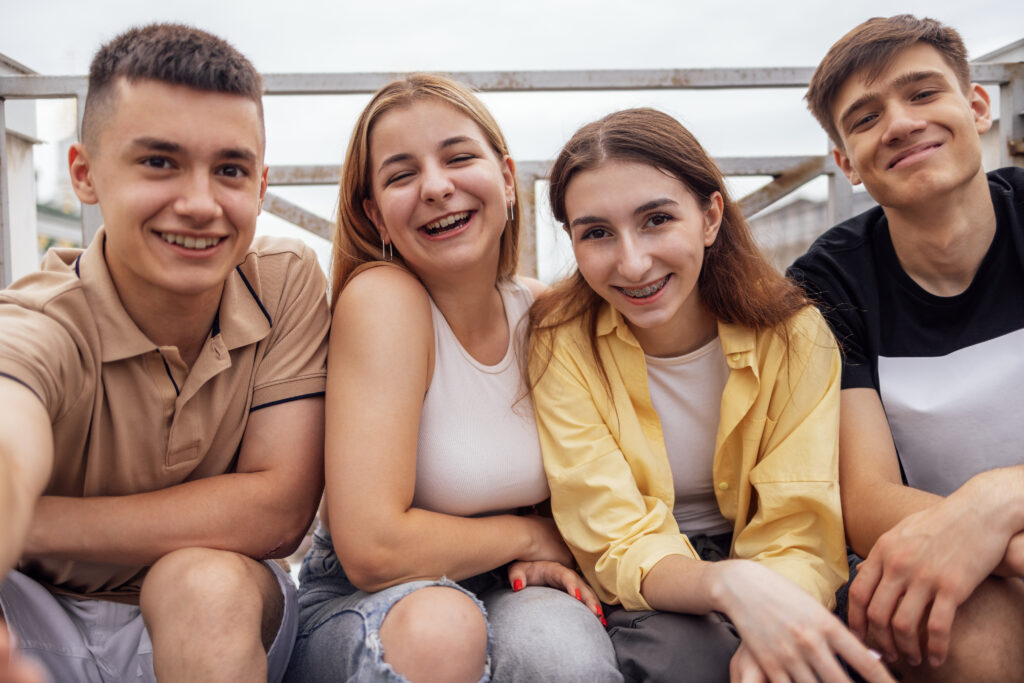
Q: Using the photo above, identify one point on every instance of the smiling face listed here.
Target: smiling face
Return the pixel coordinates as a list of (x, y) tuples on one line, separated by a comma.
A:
[(911, 135), (179, 177), (439, 190), (639, 237)]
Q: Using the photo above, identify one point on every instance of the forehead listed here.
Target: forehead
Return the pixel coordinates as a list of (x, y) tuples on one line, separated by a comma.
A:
[(917, 58), (621, 186), (421, 125), (193, 119)]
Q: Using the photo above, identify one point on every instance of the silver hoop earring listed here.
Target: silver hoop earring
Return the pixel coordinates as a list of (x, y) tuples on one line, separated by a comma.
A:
[(510, 212), (388, 255)]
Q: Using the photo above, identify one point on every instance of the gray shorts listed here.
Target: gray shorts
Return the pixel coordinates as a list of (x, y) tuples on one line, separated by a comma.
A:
[(96, 641)]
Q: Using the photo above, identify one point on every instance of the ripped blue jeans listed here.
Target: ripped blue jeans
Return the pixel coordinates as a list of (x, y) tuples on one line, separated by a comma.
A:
[(538, 633)]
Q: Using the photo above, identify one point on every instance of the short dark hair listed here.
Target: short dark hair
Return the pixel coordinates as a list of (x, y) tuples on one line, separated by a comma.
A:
[(171, 53), (871, 46)]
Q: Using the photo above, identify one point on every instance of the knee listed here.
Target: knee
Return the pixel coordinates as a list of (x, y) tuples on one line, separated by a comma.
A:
[(435, 633), (543, 634), (202, 578), (987, 642)]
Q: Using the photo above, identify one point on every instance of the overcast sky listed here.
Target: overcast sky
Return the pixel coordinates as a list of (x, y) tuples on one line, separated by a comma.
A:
[(60, 36)]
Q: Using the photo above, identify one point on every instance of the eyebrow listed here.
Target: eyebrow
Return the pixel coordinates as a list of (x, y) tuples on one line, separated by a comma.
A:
[(643, 208), (160, 145), (900, 81), (404, 156)]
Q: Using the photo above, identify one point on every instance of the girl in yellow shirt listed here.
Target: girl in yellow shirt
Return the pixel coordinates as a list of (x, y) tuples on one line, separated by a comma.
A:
[(687, 400)]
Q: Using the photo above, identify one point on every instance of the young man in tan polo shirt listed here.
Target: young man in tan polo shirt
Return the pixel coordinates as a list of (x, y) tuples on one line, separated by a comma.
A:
[(162, 421), (924, 292)]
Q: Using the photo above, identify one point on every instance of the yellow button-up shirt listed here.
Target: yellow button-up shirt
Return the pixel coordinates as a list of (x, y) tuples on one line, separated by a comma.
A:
[(775, 463)]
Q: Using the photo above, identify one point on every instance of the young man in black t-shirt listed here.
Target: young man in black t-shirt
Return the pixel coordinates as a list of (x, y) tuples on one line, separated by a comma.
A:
[(926, 296)]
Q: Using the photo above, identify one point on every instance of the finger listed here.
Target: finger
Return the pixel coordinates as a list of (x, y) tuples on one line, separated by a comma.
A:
[(879, 616), (863, 660), (826, 666), (743, 668), (861, 590), (588, 597), (940, 628), (906, 622), (517, 575)]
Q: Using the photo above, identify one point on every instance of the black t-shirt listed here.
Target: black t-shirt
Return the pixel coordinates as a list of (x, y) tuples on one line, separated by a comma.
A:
[(949, 370)]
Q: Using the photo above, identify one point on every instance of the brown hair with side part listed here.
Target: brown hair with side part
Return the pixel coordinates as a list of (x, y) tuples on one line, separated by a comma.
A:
[(171, 53), (737, 283), (870, 47), (356, 239)]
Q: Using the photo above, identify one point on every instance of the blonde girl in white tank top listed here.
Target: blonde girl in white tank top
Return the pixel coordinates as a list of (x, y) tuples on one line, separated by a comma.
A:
[(431, 443)]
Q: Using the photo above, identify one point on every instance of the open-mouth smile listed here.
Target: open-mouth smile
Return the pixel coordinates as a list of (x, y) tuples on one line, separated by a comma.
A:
[(447, 223), (190, 242), (645, 291)]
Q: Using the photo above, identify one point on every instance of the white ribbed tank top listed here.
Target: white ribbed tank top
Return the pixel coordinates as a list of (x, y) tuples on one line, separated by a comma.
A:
[(478, 450)]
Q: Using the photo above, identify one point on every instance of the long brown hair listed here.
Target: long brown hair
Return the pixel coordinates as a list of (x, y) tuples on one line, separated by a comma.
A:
[(356, 240), (737, 283)]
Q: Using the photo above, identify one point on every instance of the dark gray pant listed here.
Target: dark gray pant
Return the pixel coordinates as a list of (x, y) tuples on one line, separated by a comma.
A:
[(668, 647)]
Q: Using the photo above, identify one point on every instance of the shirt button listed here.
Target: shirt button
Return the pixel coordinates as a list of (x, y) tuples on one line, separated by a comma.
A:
[(723, 485)]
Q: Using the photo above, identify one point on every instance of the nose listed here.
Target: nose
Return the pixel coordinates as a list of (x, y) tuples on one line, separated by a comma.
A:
[(198, 200), (634, 259), (901, 122), (436, 185)]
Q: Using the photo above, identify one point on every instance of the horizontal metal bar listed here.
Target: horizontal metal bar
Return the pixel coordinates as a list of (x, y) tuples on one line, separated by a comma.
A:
[(509, 81), (304, 175), (504, 81), (42, 87)]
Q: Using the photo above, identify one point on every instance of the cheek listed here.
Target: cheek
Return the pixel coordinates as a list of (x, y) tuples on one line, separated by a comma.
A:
[(593, 268)]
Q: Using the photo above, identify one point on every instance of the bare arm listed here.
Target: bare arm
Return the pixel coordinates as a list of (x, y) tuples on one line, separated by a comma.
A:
[(787, 634), (26, 459), (873, 494), (261, 510), (379, 364), (925, 555)]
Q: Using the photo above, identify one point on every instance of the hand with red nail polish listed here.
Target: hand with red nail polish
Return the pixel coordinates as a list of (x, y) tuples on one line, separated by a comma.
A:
[(555, 575)]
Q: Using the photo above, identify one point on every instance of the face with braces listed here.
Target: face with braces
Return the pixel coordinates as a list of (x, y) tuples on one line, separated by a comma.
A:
[(639, 236)]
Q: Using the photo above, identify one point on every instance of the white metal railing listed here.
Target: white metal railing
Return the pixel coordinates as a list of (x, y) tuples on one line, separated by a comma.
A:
[(788, 172)]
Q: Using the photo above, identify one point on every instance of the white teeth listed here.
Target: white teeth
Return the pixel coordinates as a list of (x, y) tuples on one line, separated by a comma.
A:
[(188, 241), (643, 292), (442, 223)]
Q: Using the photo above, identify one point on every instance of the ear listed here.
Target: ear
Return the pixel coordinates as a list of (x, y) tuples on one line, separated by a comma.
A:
[(981, 107), (373, 213), (713, 218), (508, 174), (263, 189), (81, 174), (843, 162)]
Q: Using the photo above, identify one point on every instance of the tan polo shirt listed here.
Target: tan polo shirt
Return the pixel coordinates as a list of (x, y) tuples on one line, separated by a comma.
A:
[(130, 417)]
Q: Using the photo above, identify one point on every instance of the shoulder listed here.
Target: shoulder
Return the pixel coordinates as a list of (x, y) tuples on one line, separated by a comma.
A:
[(383, 300), (1008, 182), (840, 266), (277, 257), (534, 286), (281, 270), (842, 245)]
